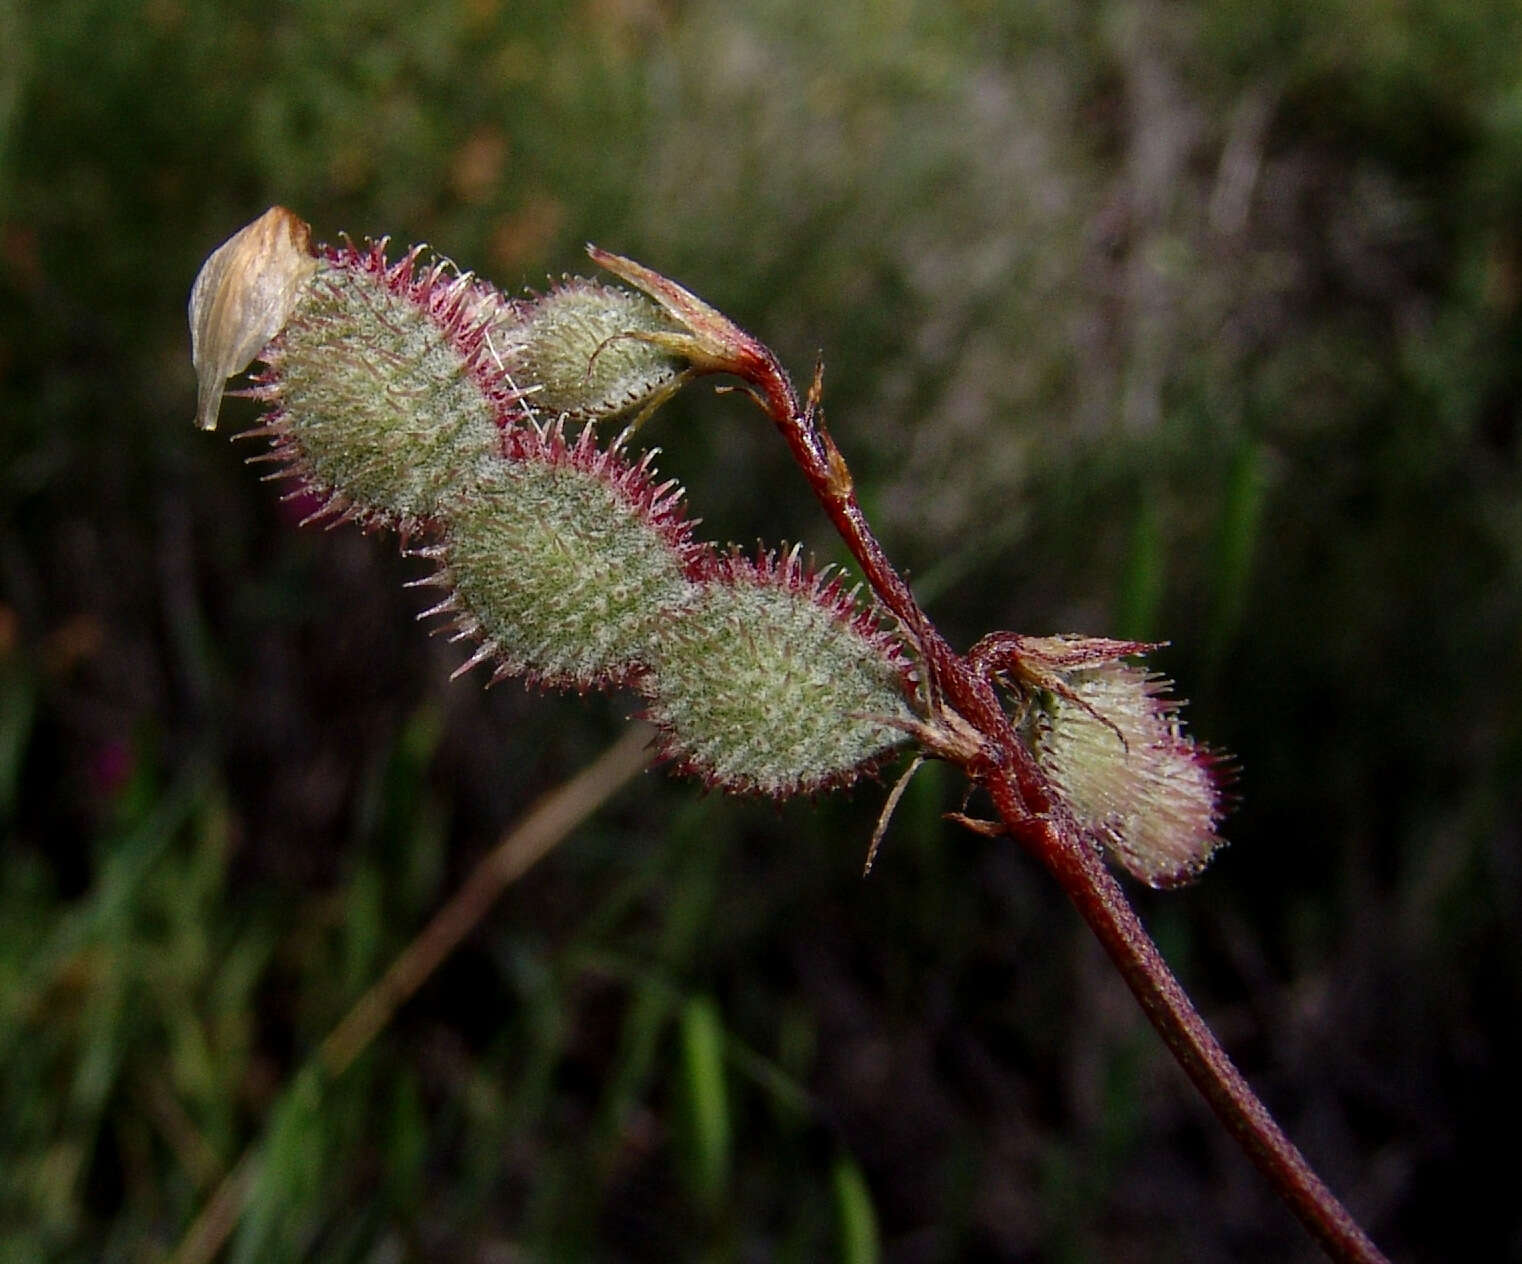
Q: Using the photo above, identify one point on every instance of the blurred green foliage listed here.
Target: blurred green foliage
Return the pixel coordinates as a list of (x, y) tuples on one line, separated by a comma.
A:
[(1192, 320)]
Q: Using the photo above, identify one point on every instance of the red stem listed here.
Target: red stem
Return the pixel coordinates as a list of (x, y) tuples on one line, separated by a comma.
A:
[(1033, 816), (1103, 905)]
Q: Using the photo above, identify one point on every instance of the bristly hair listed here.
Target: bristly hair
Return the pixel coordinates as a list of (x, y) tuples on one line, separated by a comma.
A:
[(826, 588)]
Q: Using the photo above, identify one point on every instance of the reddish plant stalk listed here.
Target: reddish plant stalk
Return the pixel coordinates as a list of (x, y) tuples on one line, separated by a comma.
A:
[(1102, 903), (1031, 814)]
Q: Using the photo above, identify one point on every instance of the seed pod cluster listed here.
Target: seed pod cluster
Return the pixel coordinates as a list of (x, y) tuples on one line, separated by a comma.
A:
[(412, 395)]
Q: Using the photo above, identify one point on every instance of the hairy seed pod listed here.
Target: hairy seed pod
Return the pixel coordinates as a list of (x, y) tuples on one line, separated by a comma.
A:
[(1113, 745), (773, 682), (385, 397), (565, 564), (579, 353), (412, 395)]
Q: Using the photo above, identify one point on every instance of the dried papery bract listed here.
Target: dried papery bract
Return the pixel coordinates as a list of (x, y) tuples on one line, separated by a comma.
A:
[(242, 297)]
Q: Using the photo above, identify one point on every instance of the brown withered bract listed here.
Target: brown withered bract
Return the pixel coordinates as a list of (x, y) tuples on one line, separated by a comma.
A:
[(242, 298)]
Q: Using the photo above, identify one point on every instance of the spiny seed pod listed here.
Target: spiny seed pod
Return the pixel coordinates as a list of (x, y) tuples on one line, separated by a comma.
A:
[(579, 345), (1111, 741), (774, 681), (566, 563), (384, 396)]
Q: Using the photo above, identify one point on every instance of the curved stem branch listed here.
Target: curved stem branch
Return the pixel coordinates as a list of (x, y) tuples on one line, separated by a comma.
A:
[(1032, 815), (995, 757), (1104, 906)]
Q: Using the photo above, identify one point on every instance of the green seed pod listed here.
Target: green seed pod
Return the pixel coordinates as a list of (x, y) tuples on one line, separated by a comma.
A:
[(565, 563), (773, 682), (576, 352), (383, 402)]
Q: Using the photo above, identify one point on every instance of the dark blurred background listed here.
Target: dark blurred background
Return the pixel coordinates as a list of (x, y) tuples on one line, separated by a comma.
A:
[(1194, 320)]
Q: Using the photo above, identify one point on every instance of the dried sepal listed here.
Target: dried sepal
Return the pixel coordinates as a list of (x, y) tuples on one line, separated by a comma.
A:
[(703, 336), (1111, 740), (1040, 659), (242, 297)]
